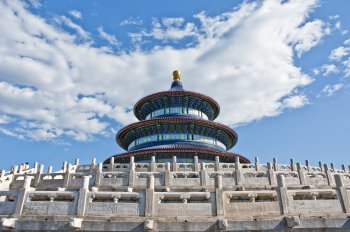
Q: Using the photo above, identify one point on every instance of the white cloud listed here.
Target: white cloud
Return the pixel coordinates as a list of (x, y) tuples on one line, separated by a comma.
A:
[(131, 21), (4, 119), (346, 64), (168, 29), (309, 36), (69, 23), (346, 42), (329, 69), (64, 87), (331, 89), (334, 17), (110, 38), (76, 14), (339, 53), (34, 3), (295, 101)]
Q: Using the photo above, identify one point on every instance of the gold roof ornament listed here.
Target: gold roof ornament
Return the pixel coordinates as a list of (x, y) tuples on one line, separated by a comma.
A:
[(176, 75)]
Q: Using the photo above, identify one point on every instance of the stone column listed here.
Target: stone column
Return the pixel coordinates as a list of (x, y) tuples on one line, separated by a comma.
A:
[(275, 165), (99, 175), (239, 174), (292, 165), (283, 195), (167, 175), (271, 174), (203, 176), (321, 166), (111, 164), (36, 167), (83, 192), (257, 164), (153, 164), (93, 164), (195, 163), (301, 174), (174, 164), (344, 197), (149, 203), (64, 166), (38, 175), (217, 164), (131, 176), (67, 176), (21, 197), (329, 174), (219, 195), (307, 165)]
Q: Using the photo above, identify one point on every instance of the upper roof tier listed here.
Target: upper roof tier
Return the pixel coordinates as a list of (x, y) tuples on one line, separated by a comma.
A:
[(176, 97)]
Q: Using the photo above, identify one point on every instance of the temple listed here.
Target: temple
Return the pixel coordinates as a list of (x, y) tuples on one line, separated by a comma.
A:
[(177, 123), (176, 175)]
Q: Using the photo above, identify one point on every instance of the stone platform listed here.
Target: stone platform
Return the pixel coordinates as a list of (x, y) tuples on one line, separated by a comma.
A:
[(176, 197)]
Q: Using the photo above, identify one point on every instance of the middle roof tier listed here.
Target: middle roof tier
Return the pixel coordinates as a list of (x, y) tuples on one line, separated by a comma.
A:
[(161, 131)]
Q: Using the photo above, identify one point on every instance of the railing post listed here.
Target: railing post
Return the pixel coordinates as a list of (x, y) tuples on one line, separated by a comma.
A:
[(21, 197), (203, 176), (292, 165), (93, 164), (219, 195), (275, 165), (307, 165), (76, 162), (131, 176), (67, 176), (321, 166), (149, 206), (195, 163), (153, 164), (328, 174), (344, 197), (111, 164), (83, 191), (217, 164), (64, 166), (38, 175), (283, 195), (271, 174), (174, 164), (238, 171), (99, 175), (301, 174), (167, 175), (257, 164)]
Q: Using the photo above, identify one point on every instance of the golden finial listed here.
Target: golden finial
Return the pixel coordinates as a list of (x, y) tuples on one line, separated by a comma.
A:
[(176, 75)]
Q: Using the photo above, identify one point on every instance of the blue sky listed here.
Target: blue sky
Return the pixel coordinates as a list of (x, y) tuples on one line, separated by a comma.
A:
[(71, 71)]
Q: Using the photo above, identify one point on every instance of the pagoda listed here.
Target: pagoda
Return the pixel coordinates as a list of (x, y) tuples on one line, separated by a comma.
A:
[(177, 123)]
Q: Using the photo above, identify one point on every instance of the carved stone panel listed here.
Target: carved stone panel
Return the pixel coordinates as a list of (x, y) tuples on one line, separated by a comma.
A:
[(113, 209), (183, 209), (316, 206), (49, 208), (252, 208)]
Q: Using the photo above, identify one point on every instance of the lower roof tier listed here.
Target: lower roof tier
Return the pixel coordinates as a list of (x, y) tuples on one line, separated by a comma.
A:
[(184, 153)]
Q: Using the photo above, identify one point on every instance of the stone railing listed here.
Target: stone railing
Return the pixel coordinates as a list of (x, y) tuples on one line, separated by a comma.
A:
[(206, 192)]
